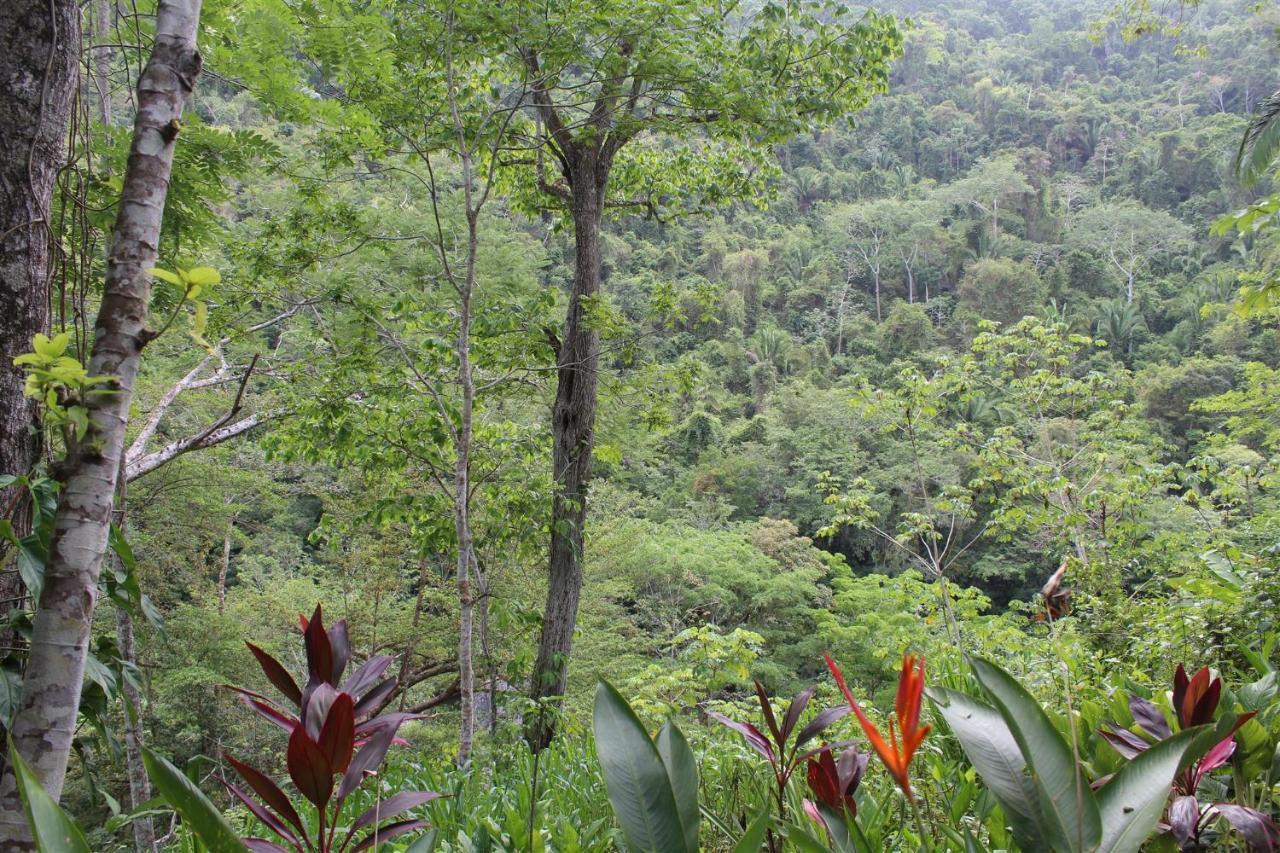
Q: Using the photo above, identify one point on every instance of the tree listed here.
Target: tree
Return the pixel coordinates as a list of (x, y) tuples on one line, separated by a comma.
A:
[(627, 104), (46, 719), (1129, 236), (987, 186), (39, 71)]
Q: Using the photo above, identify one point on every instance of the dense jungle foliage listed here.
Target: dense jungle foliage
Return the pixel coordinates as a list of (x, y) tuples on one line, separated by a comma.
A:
[(976, 365)]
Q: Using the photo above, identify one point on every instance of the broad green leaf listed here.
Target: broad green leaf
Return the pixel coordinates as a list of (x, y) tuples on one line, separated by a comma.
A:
[(1132, 802), (51, 827), (753, 838), (635, 777), (994, 753), (1067, 805), (165, 275), (204, 276), (682, 770), (190, 802)]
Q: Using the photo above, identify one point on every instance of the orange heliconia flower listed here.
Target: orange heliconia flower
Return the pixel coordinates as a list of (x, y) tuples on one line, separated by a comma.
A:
[(904, 738)]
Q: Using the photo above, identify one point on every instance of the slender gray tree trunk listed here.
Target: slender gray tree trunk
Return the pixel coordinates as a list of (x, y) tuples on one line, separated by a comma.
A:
[(572, 427), (46, 720), (39, 40), (462, 491), (144, 833)]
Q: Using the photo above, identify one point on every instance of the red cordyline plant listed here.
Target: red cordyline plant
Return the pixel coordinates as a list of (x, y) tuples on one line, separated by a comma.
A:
[(335, 744), (1195, 703), (783, 753)]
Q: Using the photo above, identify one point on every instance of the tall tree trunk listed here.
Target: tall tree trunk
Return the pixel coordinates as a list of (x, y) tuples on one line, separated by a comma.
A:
[(462, 493), (572, 428), (102, 21), (39, 40), (45, 723), (225, 566), (144, 833)]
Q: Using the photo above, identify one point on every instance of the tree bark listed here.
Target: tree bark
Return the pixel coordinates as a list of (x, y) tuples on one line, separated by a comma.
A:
[(39, 40), (45, 723), (462, 488), (572, 428)]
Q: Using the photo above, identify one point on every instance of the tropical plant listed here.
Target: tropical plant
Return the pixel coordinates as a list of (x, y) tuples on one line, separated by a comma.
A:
[(335, 734), (1195, 703), (779, 748), (652, 783), (1039, 780)]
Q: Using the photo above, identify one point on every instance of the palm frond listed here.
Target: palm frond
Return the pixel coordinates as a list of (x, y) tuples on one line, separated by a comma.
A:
[(1261, 142)]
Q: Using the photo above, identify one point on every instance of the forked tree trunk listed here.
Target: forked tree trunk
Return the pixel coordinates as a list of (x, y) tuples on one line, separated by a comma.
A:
[(38, 78), (46, 720), (572, 429)]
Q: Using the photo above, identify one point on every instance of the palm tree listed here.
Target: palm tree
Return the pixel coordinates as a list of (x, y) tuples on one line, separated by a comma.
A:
[(1119, 323), (1261, 142)]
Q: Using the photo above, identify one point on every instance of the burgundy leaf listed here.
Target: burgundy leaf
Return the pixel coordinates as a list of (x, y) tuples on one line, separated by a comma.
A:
[(1184, 817), (820, 722), (1124, 741), (1202, 711), (268, 790), (392, 806), (366, 674), (308, 767), (282, 720), (826, 747), (319, 651), (260, 845), (316, 707), (338, 735), (277, 675), (367, 760), (370, 702), (1149, 718), (794, 710), (341, 645), (394, 721), (262, 813), (823, 780), (1260, 832), (1180, 683), (766, 708), (389, 831), (750, 733)]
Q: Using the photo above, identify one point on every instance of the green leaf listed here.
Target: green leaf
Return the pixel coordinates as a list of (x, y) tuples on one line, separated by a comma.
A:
[(682, 770), (994, 753), (190, 802), (753, 838), (1132, 802), (635, 777), (165, 275), (1067, 805), (51, 827), (204, 276)]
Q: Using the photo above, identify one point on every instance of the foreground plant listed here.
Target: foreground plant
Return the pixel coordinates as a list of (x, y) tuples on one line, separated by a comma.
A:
[(652, 783), (779, 749), (1036, 776), (335, 744), (1195, 703)]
